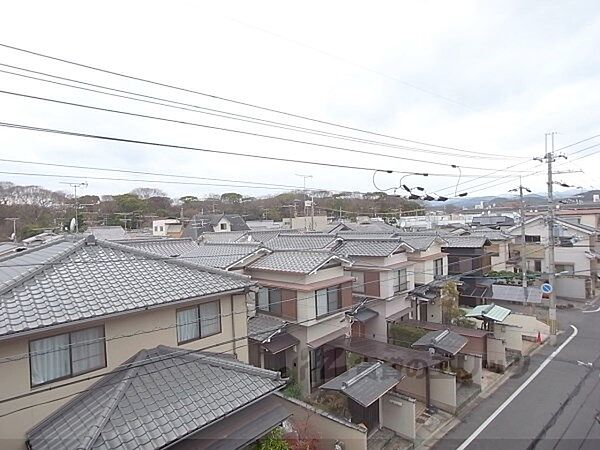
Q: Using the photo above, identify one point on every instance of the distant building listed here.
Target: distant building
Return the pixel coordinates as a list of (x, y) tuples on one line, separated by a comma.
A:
[(316, 223), (493, 221), (167, 227), (218, 223)]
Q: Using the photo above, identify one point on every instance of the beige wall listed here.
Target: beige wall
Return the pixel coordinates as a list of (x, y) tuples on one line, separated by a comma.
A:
[(326, 428), (511, 335), (496, 353), (530, 326), (398, 413), (443, 390), (15, 375)]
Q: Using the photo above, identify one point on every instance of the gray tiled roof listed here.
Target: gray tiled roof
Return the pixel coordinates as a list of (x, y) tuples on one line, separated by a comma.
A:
[(221, 256), (109, 233), (443, 341), (350, 235), (156, 398), (492, 235), (162, 246), (67, 281), (419, 242), (372, 227), (201, 223), (365, 382), (260, 327), (293, 261), (465, 241), (369, 247), (224, 236), (308, 241)]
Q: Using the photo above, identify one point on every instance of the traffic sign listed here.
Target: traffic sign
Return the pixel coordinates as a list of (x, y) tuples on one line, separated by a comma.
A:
[(546, 288)]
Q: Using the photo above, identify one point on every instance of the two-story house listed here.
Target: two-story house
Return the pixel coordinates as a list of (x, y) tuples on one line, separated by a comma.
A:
[(575, 255), (309, 292), (75, 309)]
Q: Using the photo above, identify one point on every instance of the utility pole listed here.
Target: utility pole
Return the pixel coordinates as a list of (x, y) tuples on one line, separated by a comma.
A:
[(304, 177), (549, 157), (14, 221), (523, 243), (75, 186)]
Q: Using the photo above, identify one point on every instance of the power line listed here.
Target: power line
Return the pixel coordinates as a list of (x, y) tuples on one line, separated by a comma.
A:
[(241, 117), (199, 149), (211, 127), (238, 102)]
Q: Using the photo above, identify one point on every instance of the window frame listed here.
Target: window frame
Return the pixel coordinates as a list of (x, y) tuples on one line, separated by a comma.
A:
[(398, 288), (439, 272), (200, 336), (70, 345), (278, 311), (533, 239), (337, 288)]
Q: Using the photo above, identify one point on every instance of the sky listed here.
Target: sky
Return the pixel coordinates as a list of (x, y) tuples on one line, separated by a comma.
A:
[(488, 77)]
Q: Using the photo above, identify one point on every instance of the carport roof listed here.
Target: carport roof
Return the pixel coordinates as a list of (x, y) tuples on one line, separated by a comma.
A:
[(392, 354), (444, 341), (489, 312), (366, 382)]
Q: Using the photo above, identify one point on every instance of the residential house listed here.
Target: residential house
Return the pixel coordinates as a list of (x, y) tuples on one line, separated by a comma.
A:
[(576, 254), (309, 291), (108, 232), (169, 227), (495, 222), (75, 309), (164, 397), (218, 223), (468, 255), (383, 277), (498, 248)]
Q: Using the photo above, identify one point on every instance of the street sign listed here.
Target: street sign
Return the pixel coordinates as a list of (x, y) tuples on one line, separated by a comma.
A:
[(546, 288)]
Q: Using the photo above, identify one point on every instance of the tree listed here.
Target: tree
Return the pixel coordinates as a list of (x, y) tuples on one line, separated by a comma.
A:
[(129, 203), (145, 192), (452, 314), (188, 199), (273, 441), (231, 197)]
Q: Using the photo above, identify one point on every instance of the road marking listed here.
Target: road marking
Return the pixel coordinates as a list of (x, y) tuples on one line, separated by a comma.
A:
[(593, 310), (514, 395)]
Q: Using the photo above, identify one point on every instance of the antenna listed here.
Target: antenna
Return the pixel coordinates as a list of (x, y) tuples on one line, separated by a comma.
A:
[(75, 186)]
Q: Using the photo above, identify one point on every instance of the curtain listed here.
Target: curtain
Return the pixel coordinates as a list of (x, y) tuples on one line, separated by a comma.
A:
[(210, 320), (87, 352), (263, 299), (187, 324), (49, 359), (333, 296), (321, 302)]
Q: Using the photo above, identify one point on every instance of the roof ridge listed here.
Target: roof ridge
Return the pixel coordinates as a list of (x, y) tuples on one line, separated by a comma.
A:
[(174, 261), (40, 267), (115, 395)]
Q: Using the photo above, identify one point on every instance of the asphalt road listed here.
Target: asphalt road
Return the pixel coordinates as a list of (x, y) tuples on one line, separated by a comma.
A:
[(556, 410)]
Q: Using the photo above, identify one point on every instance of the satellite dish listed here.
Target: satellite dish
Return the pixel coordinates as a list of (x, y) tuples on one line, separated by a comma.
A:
[(402, 224), (12, 236), (72, 225)]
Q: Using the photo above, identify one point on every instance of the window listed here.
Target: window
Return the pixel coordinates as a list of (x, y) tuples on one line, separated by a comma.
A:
[(155, 227), (198, 322), (162, 228), (223, 226), (534, 265), (568, 268), (66, 355), (317, 367), (400, 281), (328, 300), (532, 238), (438, 267), (269, 299), (359, 284)]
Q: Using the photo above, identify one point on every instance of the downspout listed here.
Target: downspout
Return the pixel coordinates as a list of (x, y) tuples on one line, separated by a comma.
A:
[(427, 390), (234, 340)]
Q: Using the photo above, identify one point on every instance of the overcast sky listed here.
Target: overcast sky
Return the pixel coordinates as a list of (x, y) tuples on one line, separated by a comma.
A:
[(489, 77)]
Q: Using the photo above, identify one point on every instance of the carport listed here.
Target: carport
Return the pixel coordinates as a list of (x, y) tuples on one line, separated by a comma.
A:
[(394, 355)]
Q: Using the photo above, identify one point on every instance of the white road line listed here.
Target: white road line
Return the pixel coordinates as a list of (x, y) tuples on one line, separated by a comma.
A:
[(507, 402), (593, 310)]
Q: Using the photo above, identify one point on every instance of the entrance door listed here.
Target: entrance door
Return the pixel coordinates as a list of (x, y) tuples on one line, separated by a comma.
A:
[(276, 362), (368, 416)]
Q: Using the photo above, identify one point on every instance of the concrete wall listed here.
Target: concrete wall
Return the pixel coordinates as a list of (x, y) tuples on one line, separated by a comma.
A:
[(15, 375), (443, 390), (496, 353), (571, 287), (530, 326), (398, 413), (472, 364), (326, 428), (511, 335)]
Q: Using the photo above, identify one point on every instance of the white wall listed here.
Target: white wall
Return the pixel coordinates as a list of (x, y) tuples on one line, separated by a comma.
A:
[(399, 414), (511, 335)]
